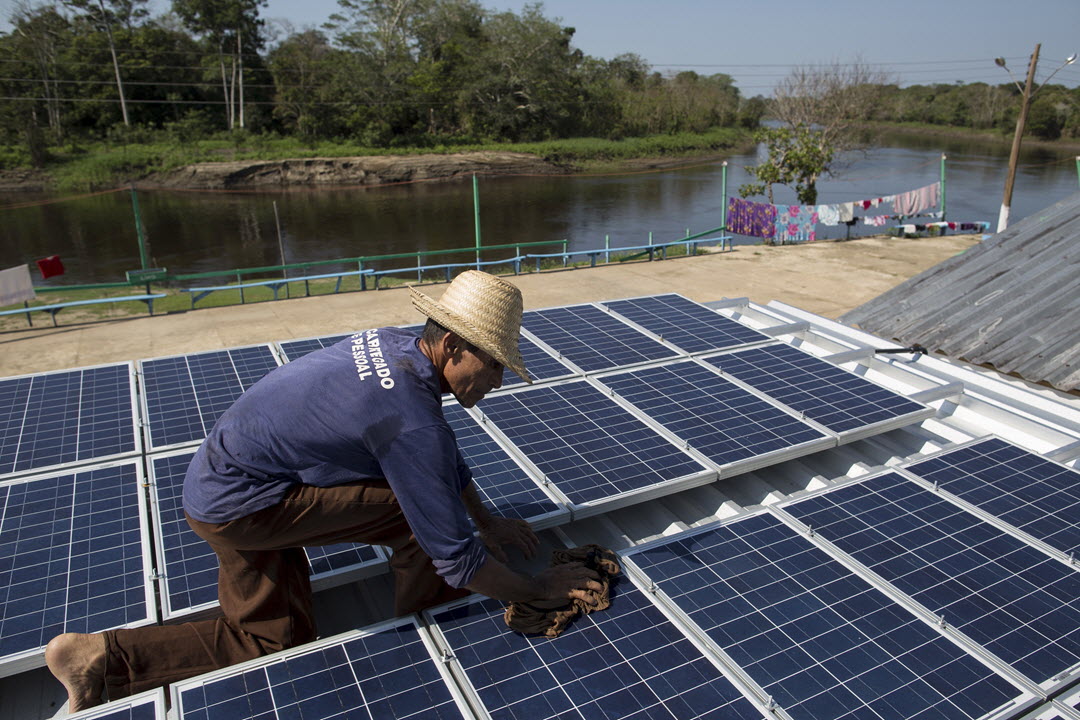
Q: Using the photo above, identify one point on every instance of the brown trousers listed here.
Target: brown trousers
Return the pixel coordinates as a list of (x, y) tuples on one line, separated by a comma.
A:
[(263, 584)]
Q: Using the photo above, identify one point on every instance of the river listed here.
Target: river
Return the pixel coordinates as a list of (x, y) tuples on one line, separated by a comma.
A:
[(204, 231)]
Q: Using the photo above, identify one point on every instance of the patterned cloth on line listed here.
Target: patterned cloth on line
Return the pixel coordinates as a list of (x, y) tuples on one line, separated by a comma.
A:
[(746, 217), (551, 617), (796, 223)]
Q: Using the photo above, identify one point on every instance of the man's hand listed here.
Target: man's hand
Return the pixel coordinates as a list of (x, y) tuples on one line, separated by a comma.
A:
[(569, 581), (497, 532)]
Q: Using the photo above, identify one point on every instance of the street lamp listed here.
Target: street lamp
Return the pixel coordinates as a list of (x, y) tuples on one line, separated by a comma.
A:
[(1021, 121)]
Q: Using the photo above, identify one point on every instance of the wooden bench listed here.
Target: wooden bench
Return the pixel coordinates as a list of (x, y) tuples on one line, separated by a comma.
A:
[(198, 293), (54, 308)]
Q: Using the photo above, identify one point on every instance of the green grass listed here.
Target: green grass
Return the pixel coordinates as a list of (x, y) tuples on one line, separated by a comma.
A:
[(77, 167)]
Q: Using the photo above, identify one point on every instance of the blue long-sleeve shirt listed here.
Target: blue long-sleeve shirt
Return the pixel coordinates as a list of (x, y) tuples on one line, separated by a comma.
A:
[(367, 407)]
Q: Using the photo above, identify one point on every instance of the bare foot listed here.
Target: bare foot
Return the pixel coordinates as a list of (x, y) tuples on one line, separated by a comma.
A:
[(78, 661)]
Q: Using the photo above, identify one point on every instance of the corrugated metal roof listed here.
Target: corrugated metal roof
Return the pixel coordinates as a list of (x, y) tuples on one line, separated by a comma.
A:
[(1012, 301)]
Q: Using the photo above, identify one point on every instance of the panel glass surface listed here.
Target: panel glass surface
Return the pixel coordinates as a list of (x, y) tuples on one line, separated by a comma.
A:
[(387, 674), (65, 417), (1027, 491), (502, 484), (139, 707), (821, 641), (186, 395), (716, 416), (538, 363), (1013, 599), (827, 394), (191, 567), (685, 323), (71, 556), (293, 349), (593, 339), (628, 661), (590, 447)]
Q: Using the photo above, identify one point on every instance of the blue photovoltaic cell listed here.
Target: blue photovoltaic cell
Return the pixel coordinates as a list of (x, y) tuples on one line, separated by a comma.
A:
[(186, 395), (1027, 491), (716, 416), (586, 444), (1014, 600), (66, 417), (500, 481), (628, 661), (71, 556), (685, 323), (538, 363), (191, 567), (593, 339), (387, 674), (294, 349), (821, 641), (825, 393), (138, 708)]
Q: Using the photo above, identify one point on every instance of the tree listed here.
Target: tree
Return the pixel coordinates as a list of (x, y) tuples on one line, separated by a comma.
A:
[(820, 108)]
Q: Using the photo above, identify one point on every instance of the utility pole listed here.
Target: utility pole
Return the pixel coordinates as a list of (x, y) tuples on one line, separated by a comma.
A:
[(1014, 156)]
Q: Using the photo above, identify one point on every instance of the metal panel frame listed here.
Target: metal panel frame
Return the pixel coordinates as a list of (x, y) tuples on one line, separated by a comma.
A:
[(136, 423), (34, 658), (148, 439), (970, 645), (177, 688), (319, 581), (750, 690), (1026, 697), (846, 436), (150, 697), (726, 470), (765, 339), (594, 507)]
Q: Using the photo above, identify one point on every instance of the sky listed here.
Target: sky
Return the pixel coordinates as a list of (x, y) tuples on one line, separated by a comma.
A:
[(915, 42)]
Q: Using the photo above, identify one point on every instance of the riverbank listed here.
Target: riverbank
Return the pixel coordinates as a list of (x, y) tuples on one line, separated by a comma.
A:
[(827, 278), (1063, 145)]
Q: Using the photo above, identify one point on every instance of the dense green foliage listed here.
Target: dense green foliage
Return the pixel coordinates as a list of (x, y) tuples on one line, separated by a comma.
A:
[(381, 74)]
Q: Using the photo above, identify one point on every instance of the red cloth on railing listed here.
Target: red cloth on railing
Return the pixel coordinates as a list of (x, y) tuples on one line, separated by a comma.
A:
[(50, 266)]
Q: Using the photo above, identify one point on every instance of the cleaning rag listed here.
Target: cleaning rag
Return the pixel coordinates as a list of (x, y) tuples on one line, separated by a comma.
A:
[(551, 617)]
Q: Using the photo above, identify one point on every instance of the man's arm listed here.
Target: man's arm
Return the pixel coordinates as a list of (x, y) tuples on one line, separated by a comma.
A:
[(496, 531)]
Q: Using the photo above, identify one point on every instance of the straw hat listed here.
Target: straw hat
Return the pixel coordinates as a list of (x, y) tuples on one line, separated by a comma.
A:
[(483, 309)]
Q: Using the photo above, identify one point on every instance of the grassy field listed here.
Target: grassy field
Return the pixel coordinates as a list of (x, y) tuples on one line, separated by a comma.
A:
[(77, 167)]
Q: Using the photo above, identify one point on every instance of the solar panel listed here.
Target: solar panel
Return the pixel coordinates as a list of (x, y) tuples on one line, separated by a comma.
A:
[(1011, 598), (592, 339), (500, 480), (592, 449), (184, 396), (837, 399), (189, 566), (386, 671), (1029, 492), (144, 706), (61, 418), (538, 362), (684, 323), (729, 425), (294, 349), (628, 661), (823, 642), (1071, 700), (73, 558)]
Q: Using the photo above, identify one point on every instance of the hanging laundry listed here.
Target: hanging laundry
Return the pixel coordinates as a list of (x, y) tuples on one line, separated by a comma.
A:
[(828, 214), (908, 229), (796, 223), (876, 220), (50, 266), (15, 285), (847, 212), (913, 202), (746, 217)]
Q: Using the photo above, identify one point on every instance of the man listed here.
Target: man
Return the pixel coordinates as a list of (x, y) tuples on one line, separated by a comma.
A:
[(347, 444)]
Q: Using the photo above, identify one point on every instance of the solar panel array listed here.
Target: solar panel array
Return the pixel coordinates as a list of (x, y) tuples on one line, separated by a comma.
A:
[(1013, 599), (188, 564), (144, 706), (628, 661), (689, 326), (822, 641), (1021, 488), (69, 417), (821, 391), (385, 672), (185, 395), (74, 557)]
